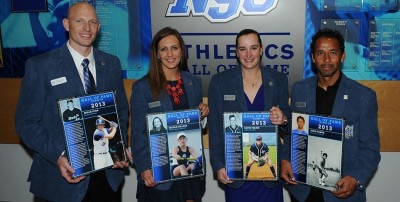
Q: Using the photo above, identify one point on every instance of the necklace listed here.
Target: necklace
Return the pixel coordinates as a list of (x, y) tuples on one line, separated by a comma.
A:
[(175, 91), (254, 84)]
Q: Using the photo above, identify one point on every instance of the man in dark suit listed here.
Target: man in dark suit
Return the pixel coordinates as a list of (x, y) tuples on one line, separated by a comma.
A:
[(59, 74), (330, 92)]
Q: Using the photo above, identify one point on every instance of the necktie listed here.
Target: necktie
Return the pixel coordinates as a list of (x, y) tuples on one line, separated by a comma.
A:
[(90, 85)]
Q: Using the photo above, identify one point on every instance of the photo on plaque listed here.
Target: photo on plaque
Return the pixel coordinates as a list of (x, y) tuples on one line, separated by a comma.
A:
[(176, 145), (316, 152), (250, 146), (92, 134)]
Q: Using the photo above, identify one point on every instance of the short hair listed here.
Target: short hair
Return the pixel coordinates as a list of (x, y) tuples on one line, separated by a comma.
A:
[(68, 101), (300, 117), (327, 33), (231, 116), (325, 154)]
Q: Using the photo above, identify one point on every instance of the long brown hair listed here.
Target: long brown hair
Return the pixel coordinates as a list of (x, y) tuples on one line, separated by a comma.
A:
[(156, 74)]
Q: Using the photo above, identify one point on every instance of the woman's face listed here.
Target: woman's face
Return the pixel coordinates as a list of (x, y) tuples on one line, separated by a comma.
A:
[(182, 140), (249, 51), (169, 52), (157, 123)]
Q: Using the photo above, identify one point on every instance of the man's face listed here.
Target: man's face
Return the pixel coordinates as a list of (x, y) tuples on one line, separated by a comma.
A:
[(232, 121), (82, 25), (259, 142), (100, 126), (70, 105), (327, 57), (300, 124)]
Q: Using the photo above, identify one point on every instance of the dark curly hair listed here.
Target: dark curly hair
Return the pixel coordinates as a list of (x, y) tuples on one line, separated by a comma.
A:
[(328, 33)]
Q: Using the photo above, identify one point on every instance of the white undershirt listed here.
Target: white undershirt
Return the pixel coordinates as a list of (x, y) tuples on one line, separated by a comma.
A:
[(78, 58)]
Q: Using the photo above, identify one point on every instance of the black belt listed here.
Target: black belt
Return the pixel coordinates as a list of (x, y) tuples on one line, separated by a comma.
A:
[(103, 153)]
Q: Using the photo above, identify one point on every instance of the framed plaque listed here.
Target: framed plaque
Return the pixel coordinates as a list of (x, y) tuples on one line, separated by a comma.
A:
[(341, 5), (316, 151), (92, 134), (176, 145), (250, 146), (384, 40)]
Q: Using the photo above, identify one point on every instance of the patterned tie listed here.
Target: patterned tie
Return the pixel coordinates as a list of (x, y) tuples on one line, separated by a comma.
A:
[(90, 85)]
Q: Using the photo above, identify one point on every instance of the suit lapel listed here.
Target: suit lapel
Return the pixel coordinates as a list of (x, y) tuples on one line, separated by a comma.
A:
[(69, 68), (237, 84), (268, 87), (342, 96), (311, 96), (101, 77), (189, 88)]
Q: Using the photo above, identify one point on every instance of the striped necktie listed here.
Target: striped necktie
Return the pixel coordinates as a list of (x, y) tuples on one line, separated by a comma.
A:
[(90, 85)]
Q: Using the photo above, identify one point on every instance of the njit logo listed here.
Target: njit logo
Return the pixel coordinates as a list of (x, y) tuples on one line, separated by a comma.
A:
[(220, 10)]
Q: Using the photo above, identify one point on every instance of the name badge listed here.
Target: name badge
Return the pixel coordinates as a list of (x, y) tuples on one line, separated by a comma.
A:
[(154, 104), (230, 97), (301, 104), (58, 81)]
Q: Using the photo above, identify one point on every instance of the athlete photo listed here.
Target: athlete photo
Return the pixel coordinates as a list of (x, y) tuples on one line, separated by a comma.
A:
[(259, 152), (101, 152)]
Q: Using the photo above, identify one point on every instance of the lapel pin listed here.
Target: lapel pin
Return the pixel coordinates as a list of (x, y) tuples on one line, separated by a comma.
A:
[(270, 83), (345, 97), (103, 63)]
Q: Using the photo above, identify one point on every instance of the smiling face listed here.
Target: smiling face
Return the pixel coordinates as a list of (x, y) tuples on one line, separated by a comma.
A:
[(83, 26), (300, 123), (232, 121), (328, 57), (157, 123), (249, 51), (70, 105), (169, 52)]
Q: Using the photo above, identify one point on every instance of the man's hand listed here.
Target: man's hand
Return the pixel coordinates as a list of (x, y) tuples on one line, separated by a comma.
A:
[(113, 124), (67, 171), (287, 173), (223, 177), (345, 187)]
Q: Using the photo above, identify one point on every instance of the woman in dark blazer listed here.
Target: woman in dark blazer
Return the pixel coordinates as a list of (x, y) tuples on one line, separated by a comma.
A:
[(166, 87), (249, 87)]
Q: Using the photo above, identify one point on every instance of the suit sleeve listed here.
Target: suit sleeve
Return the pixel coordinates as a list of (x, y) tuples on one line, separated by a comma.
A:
[(123, 107), (369, 144), (33, 113), (217, 144), (288, 136), (139, 137)]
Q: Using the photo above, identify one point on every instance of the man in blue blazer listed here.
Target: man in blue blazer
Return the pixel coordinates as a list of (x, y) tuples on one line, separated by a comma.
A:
[(330, 92), (55, 75)]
